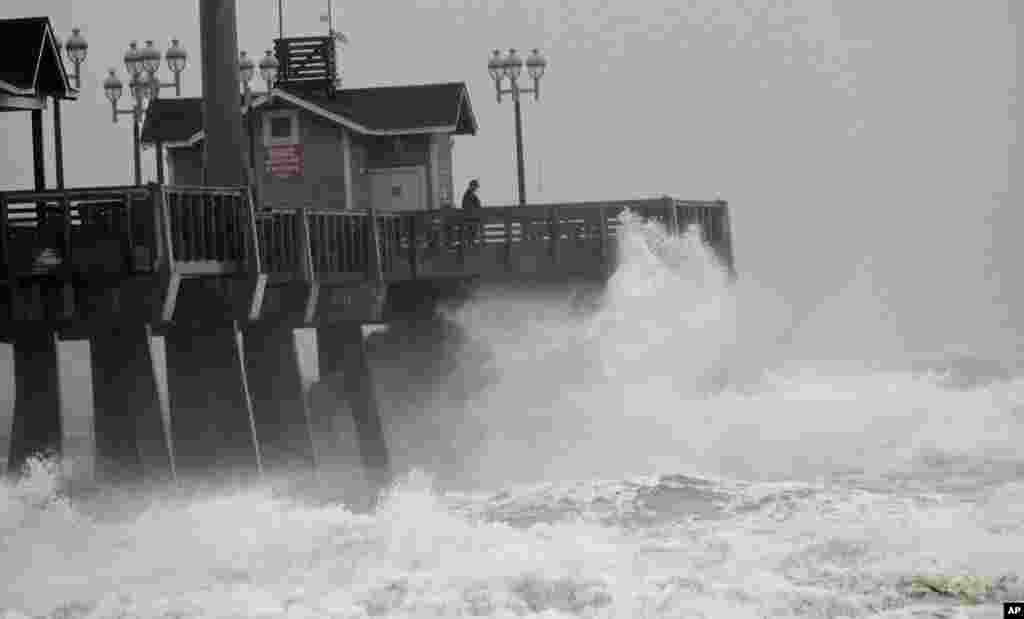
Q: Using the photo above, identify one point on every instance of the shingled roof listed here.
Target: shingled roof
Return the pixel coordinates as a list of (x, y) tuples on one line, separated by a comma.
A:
[(174, 120), (31, 64), (397, 109), (386, 110)]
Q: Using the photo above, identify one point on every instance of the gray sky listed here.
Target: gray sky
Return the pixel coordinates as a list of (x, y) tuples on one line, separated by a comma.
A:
[(839, 130)]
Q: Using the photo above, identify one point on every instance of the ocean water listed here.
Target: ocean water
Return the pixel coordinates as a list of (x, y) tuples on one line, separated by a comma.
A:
[(660, 450)]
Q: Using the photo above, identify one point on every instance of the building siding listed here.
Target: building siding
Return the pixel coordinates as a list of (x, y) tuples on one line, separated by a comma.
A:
[(444, 170), (185, 165), (322, 181)]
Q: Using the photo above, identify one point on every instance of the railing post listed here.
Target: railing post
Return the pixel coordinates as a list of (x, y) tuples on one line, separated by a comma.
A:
[(155, 238), (414, 262), (508, 238), (602, 212), (304, 245), (669, 215), (374, 267), (5, 258), (553, 232), (252, 245), (163, 209)]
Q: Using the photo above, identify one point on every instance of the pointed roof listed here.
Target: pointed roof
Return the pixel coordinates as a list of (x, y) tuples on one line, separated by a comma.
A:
[(174, 120), (31, 65), (382, 110), (402, 109)]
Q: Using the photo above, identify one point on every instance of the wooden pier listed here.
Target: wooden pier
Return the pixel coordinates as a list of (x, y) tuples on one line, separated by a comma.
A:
[(225, 284)]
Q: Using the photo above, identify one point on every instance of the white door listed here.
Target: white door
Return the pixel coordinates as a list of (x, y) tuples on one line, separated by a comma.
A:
[(399, 189)]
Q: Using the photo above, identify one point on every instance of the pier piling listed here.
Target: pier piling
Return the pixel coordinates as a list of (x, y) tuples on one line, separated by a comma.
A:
[(131, 440), (210, 405), (345, 370), (278, 396), (36, 426)]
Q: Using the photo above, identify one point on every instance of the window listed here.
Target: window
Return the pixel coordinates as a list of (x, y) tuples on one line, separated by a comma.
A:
[(281, 127)]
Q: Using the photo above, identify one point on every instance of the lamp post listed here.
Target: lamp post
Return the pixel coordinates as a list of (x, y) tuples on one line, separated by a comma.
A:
[(510, 66), (246, 70), (142, 65), (77, 49)]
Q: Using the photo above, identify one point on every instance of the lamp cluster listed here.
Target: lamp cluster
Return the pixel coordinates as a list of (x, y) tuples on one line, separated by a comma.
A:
[(247, 69), (142, 65), (510, 66)]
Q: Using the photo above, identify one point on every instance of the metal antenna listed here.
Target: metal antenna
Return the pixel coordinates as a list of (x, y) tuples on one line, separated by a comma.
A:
[(280, 19)]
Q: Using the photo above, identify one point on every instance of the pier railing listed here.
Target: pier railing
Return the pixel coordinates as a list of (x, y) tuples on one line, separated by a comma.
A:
[(209, 230), (97, 231), (196, 231)]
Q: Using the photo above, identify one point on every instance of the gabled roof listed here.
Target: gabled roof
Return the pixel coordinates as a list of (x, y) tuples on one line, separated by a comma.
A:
[(387, 110), (31, 64), (174, 121), (402, 109)]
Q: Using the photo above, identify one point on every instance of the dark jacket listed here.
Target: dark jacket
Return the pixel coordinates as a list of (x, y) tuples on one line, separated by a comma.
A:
[(470, 201)]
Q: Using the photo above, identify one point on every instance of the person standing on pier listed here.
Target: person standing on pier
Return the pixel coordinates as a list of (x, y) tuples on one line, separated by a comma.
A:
[(471, 207), (471, 201)]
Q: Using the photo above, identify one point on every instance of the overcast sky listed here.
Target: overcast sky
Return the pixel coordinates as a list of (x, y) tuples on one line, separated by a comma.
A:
[(840, 131)]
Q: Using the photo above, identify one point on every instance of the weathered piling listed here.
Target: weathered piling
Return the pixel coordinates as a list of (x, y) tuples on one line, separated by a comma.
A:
[(131, 440), (278, 397), (346, 372)]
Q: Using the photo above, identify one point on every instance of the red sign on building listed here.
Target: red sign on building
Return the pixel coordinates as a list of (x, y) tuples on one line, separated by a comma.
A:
[(285, 160)]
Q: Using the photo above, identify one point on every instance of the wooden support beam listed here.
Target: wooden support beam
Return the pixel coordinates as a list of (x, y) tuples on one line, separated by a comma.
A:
[(278, 395), (132, 442), (346, 370), (58, 143), (36, 427), (209, 400)]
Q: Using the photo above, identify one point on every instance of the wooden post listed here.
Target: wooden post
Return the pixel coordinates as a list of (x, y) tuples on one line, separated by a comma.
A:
[(375, 271), (278, 396), (507, 218), (667, 215), (602, 213), (58, 143), (6, 270), (159, 162), (131, 439), (414, 262), (342, 347), (38, 161), (36, 427), (247, 399), (210, 399), (554, 233)]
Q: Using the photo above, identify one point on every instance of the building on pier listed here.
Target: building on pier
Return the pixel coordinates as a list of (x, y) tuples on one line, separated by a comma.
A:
[(388, 147)]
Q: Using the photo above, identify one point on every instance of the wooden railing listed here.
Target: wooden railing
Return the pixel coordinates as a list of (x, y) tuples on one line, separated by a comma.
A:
[(194, 231), (72, 232), (209, 230)]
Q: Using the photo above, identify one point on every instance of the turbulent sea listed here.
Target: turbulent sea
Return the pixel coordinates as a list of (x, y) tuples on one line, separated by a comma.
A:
[(655, 451)]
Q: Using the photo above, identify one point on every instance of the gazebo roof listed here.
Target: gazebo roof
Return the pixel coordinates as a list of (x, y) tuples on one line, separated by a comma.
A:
[(31, 67)]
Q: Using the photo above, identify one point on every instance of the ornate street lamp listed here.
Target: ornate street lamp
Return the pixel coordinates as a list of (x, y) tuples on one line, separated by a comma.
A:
[(77, 49), (510, 66), (142, 66)]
